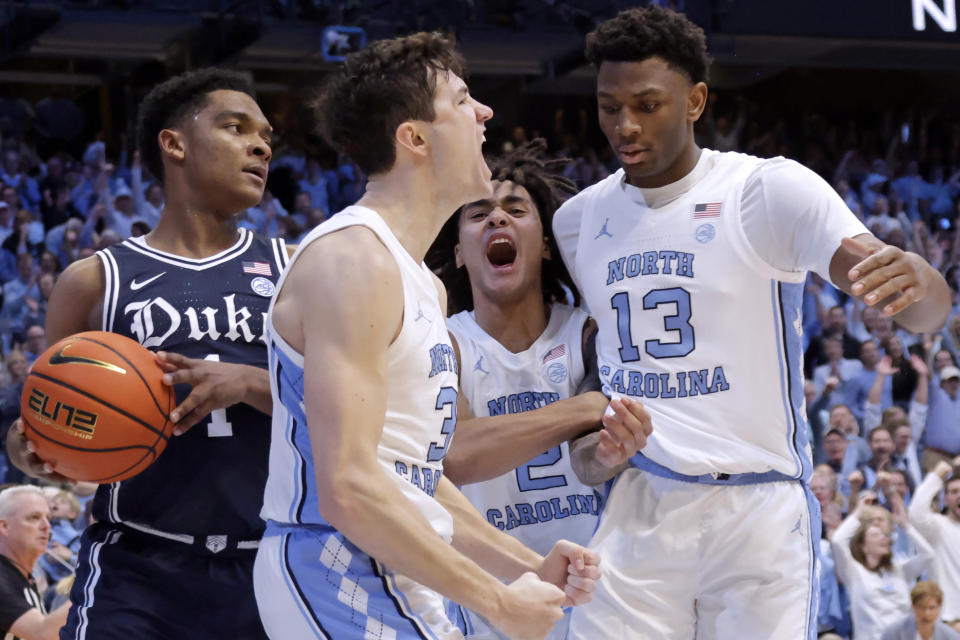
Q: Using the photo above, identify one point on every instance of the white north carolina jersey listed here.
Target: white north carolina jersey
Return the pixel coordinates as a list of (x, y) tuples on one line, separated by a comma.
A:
[(692, 320), (542, 500), (421, 397)]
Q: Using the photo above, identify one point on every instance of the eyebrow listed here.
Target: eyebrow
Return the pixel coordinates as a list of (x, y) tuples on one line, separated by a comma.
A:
[(639, 94), (241, 115)]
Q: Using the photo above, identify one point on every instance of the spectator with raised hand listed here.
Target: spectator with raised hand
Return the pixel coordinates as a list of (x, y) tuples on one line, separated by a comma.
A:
[(876, 414), (924, 623), (857, 390), (879, 587), (833, 377), (147, 203), (942, 529), (942, 433)]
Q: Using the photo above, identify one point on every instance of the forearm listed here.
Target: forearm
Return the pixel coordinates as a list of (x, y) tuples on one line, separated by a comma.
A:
[(364, 502), (257, 385), (495, 551), (583, 460), (919, 509), (485, 448)]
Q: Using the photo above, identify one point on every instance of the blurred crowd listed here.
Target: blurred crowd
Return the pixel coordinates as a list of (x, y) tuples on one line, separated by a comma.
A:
[(882, 403)]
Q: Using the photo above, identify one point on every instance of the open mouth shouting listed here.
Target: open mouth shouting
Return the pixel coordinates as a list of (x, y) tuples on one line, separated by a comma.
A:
[(501, 252)]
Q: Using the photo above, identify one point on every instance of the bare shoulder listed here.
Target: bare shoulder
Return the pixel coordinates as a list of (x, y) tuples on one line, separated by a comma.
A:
[(77, 299), (339, 280)]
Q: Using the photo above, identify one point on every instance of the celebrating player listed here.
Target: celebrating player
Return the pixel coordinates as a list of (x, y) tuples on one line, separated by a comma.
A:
[(171, 554), (524, 350), (693, 263), (363, 530)]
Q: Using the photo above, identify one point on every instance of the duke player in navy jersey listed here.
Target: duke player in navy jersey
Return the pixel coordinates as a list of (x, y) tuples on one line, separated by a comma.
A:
[(693, 263), (525, 352), (171, 554), (364, 533)]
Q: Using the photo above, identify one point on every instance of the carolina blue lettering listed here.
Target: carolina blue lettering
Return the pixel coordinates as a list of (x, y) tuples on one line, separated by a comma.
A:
[(616, 382), (667, 256), (512, 521), (572, 501), (651, 385), (650, 263), (719, 381), (513, 404), (682, 379), (495, 518), (497, 407), (526, 401), (685, 268), (666, 391), (415, 477), (698, 382), (558, 511), (634, 378), (615, 270), (443, 358), (526, 513), (633, 265), (428, 486), (587, 503), (543, 511), (401, 468)]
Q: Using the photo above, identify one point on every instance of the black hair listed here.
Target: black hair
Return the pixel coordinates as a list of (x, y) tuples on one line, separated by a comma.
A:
[(636, 34), (527, 167), (169, 102), (384, 84)]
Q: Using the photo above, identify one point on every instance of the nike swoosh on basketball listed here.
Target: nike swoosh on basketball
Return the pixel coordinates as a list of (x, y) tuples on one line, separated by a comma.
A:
[(135, 286), (59, 358)]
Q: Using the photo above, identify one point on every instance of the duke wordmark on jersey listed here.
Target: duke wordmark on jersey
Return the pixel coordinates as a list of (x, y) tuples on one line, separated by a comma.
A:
[(154, 320)]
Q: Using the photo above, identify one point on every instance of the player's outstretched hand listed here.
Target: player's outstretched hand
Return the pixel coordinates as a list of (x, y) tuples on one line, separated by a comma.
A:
[(530, 610), (626, 427), (22, 455), (216, 385), (574, 569), (885, 272)]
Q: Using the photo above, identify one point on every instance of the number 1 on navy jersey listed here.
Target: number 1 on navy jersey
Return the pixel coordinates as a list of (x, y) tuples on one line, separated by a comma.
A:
[(679, 322)]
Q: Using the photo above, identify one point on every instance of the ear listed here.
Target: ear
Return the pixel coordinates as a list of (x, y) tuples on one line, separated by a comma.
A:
[(696, 101), (410, 137), (546, 249), (456, 256), (171, 144)]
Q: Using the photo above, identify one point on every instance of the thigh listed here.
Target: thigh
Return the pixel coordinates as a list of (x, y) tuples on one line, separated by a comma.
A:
[(760, 571), (313, 584), (648, 539)]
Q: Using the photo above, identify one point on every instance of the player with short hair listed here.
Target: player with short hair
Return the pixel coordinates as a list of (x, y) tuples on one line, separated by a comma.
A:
[(363, 530), (525, 354), (696, 285), (171, 553)]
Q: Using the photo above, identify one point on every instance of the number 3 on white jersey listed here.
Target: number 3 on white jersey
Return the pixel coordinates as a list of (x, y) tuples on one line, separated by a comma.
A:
[(218, 427)]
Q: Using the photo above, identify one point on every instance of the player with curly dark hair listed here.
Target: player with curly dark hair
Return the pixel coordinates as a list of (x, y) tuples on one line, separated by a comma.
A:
[(527, 356), (692, 261), (365, 536)]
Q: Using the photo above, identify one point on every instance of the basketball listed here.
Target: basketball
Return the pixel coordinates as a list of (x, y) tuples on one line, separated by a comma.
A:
[(95, 407)]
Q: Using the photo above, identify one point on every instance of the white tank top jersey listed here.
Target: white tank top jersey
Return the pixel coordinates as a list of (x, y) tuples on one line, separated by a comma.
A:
[(540, 501), (421, 397), (697, 289)]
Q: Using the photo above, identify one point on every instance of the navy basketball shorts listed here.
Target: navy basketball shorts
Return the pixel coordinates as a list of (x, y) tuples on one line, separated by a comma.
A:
[(132, 585)]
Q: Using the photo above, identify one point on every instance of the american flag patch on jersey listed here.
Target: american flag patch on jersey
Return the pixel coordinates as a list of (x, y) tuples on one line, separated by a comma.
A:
[(707, 210), (259, 268), (556, 352)]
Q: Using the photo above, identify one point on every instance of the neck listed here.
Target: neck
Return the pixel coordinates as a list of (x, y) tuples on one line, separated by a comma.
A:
[(191, 230), (412, 204), (872, 561), (925, 629), (516, 326), (21, 561)]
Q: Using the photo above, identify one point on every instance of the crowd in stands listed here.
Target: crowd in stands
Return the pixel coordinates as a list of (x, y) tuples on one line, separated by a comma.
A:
[(882, 404)]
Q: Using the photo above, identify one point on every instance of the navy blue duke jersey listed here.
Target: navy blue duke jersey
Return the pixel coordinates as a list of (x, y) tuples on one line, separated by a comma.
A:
[(209, 481)]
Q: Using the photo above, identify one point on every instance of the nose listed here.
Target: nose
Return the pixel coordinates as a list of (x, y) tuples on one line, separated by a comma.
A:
[(627, 125), (497, 218), (261, 149), (484, 112)]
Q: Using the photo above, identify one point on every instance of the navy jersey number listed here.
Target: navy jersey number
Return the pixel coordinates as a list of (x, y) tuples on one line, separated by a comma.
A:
[(679, 322), (526, 482), (446, 398)]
